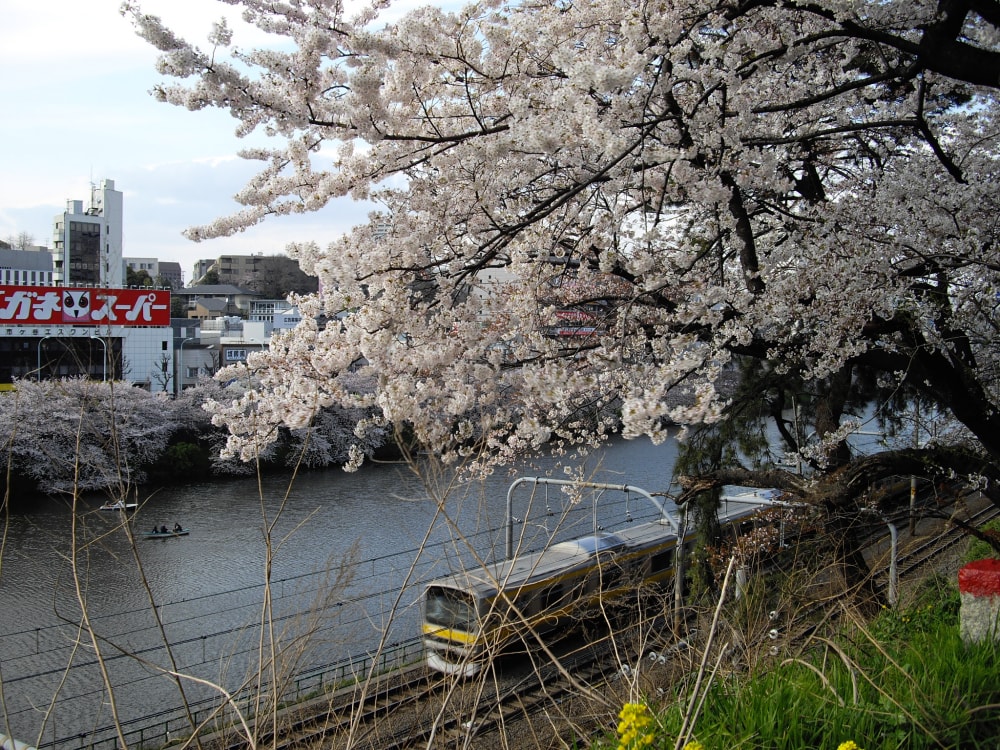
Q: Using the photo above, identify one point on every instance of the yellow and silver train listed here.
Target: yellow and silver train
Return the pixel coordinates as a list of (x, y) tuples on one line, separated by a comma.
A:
[(471, 616)]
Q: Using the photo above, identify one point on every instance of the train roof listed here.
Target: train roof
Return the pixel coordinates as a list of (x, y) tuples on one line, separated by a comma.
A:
[(590, 545), (562, 557)]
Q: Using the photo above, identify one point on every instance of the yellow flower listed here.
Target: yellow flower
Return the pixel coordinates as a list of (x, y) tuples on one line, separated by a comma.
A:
[(695, 745), (634, 719), (849, 745)]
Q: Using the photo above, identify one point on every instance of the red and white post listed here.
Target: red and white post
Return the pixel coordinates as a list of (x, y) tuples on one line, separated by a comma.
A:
[(979, 585)]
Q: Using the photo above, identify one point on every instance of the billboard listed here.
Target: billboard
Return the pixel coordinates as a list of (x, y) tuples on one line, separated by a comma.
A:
[(85, 306)]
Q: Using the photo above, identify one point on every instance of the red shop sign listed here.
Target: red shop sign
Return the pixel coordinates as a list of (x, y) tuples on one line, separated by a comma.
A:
[(48, 305)]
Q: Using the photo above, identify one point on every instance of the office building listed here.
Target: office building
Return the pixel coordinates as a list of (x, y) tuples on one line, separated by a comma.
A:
[(87, 240)]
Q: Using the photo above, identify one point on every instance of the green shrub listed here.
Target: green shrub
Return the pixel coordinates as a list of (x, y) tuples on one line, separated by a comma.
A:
[(903, 680), (980, 550), (187, 460)]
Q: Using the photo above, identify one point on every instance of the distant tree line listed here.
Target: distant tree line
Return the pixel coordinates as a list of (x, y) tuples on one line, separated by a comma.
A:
[(64, 436), (142, 278)]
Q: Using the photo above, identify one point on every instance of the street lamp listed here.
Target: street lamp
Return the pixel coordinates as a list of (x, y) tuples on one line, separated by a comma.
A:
[(104, 374), (104, 377), (180, 367), (38, 371)]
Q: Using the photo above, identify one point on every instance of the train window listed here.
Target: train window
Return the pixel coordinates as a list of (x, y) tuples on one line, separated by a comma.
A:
[(661, 561), (450, 608), (576, 588), (524, 603), (610, 575), (550, 597)]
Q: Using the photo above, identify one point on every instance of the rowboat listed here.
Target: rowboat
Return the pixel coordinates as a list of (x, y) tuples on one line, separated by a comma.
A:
[(165, 534), (119, 505)]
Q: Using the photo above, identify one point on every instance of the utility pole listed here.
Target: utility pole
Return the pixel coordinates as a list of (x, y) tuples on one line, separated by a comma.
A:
[(913, 477)]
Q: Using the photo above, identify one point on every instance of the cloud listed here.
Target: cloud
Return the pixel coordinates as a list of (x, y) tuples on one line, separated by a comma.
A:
[(75, 82)]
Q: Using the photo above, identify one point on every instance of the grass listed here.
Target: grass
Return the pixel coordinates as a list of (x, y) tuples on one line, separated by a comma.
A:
[(902, 680)]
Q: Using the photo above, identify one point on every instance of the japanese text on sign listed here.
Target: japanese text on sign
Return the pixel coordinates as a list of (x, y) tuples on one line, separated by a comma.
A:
[(40, 305)]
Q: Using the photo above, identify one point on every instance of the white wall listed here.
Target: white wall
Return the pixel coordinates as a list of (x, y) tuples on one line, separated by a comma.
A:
[(143, 350)]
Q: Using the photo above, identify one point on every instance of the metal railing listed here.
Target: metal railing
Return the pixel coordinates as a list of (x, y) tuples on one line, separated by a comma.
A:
[(163, 728)]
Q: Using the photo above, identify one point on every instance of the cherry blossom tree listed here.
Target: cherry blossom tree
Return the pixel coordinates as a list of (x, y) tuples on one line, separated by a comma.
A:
[(808, 186), (78, 434)]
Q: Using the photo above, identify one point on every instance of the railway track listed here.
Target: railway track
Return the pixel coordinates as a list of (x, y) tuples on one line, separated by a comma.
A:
[(421, 709), (913, 558), (424, 709), (533, 693), (339, 714), (919, 555)]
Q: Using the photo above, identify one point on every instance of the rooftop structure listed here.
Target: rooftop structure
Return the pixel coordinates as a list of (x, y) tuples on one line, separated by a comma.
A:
[(25, 267), (87, 240)]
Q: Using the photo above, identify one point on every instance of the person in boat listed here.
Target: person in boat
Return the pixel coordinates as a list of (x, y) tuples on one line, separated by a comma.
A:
[(155, 530), (177, 527), (163, 529)]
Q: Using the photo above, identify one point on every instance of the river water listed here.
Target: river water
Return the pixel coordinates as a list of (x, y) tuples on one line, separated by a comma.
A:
[(348, 556)]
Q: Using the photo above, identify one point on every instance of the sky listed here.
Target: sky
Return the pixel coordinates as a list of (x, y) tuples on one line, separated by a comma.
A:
[(75, 86)]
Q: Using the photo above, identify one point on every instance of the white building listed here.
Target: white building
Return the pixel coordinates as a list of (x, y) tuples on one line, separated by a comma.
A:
[(149, 265), (236, 337), (148, 358), (109, 334), (286, 320), (87, 240), (195, 356), (276, 314), (26, 267)]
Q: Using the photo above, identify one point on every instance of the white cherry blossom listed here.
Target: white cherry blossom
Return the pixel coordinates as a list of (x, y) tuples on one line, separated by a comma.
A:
[(811, 185)]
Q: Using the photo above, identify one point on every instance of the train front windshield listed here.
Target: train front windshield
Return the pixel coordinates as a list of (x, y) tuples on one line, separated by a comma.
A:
[(451, 609)]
